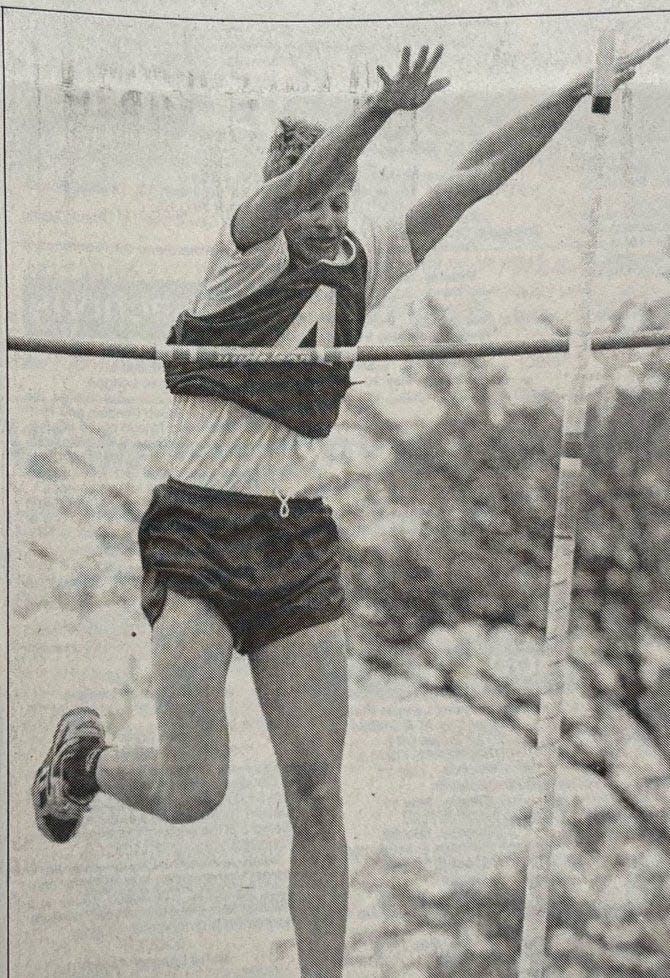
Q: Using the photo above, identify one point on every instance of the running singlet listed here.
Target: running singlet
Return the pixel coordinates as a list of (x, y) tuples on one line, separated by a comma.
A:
[(260, 429), (322, 305)]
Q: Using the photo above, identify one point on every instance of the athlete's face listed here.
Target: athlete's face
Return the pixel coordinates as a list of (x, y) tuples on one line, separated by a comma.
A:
[(317, 233)]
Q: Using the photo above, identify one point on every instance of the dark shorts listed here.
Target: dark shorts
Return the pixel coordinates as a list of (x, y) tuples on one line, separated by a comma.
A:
[(267, 576)]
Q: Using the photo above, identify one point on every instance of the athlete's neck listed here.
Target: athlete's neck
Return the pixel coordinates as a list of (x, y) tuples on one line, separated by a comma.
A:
[(344, 255)]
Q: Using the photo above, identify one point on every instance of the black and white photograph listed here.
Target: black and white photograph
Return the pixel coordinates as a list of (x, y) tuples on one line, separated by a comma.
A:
[(337, 413)]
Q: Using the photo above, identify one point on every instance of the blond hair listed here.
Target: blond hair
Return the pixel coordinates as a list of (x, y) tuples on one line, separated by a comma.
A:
[(291, 139)]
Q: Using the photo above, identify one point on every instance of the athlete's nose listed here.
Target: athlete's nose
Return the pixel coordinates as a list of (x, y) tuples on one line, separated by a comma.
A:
[(324, 218)]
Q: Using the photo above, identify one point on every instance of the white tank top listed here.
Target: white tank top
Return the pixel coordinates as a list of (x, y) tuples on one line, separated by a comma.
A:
[(219, 445)]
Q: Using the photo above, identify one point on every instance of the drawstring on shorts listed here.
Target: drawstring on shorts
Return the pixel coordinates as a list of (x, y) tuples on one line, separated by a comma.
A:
[(284, 511)]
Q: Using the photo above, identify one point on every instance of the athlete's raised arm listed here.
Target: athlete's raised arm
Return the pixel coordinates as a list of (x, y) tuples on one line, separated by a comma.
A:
[(501, 154), (335, 153)]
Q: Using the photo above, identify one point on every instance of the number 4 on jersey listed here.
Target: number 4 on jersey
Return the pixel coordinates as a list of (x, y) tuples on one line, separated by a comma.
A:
[(319, 311)]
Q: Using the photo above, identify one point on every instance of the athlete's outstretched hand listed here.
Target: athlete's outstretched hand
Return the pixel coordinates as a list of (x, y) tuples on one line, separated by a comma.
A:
[(411, 88), (627, 63)]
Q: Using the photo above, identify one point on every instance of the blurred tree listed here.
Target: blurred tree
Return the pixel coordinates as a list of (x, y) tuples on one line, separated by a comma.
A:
[(460, 531), (453, 575), (610, 916)]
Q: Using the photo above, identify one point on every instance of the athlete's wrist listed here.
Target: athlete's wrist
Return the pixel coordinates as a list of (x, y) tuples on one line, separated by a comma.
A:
[(579, 87), (375, 109)]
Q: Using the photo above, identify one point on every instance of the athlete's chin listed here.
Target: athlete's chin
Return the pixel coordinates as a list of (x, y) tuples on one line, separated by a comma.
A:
[(313, 251)]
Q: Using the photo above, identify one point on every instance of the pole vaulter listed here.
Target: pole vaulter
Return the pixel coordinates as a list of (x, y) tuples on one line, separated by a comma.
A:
[(238, 554)]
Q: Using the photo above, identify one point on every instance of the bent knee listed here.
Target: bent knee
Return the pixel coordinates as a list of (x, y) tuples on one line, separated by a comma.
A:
[(182, 803)]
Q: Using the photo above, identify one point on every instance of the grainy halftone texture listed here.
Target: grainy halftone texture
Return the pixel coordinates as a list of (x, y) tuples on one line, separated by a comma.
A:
[(129, 143)]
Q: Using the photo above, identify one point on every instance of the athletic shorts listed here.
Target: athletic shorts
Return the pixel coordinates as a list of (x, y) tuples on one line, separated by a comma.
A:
[(268, 576)]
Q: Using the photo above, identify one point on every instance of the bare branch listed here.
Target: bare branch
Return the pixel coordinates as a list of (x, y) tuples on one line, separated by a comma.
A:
[(452, 687), (650, 823)]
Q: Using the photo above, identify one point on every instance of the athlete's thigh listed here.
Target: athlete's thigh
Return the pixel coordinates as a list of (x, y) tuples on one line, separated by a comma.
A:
[(301, 682), (191, 652)]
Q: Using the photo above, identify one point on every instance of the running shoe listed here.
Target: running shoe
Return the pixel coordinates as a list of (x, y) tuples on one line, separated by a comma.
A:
[(77, 743)]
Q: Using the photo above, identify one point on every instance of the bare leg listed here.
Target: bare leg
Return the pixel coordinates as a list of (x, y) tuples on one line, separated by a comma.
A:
[(301, 683), (188, 776)]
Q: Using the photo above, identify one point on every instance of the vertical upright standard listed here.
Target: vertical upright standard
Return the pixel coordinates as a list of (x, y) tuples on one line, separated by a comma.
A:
[(557, 643)]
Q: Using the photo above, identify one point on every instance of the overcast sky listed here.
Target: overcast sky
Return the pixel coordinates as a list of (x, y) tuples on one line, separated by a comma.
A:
[(133, 184), (479, 54)]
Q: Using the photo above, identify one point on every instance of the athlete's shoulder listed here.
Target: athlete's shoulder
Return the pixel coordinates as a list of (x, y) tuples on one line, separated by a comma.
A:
[(388, 253), (233, 274)]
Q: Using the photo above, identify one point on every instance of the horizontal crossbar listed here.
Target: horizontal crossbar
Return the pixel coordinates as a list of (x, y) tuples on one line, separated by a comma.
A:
[(212, 355)]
